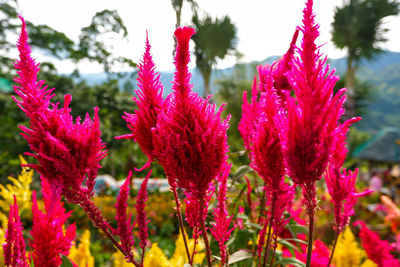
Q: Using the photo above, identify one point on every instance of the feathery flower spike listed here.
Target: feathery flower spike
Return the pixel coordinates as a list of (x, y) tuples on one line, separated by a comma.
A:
[(73, 149), (125, 228), (14, 246), (150, 103), (312, 117), (141, 219), (379, 251), (220, 228), (68, 152), (192, 140), (49, 240)]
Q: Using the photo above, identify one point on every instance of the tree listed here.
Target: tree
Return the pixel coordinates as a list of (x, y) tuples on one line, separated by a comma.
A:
[(93, 41), (177, 6), (214, 39), (358, 28)]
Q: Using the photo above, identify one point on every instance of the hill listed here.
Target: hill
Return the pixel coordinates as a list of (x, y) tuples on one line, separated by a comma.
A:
[(383, 73)]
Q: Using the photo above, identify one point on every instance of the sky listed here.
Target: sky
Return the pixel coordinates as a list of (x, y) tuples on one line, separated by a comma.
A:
[(264, 27)]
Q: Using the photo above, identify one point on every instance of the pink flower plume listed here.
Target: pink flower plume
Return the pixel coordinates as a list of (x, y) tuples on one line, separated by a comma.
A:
[(220, 228), (249, 116), (191, 138), (313, 115), (68, 152), (14, 246), (141, 219), (149, 101), (125, 228), (49, 239), (379, 251), (266, 153), (341, 182)]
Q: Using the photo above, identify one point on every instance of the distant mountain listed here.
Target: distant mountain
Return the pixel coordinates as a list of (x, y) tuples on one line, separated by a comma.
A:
[(383, 73)]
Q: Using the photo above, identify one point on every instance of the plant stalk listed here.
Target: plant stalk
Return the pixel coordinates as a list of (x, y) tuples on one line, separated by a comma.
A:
[(204, 233), (333, 249), (269, 238), (179, 213), (310, 239)]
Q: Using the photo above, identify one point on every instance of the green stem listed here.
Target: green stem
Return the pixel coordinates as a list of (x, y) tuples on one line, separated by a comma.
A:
[(179, 213), (310, 240), (333, 249), (268, 244), (204, 234)]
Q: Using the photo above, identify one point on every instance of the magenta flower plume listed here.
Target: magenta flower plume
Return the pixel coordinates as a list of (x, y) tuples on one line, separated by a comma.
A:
[(141, 219), (125, 228), (379, 251), (284, 199), (150, 103), (313, 116), (266, 153), (14, 246), (341, 182), (192, 141), (220, 228), (49, 240), (195, 214), (281, 68), (68, 153), (249, 118), (320, 255)]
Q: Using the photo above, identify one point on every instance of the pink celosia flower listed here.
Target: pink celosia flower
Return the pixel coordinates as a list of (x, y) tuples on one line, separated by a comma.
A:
[(150, 103), (249, 115), (220, 228), (266, 151), (313, 115), (68, 152), (14, 246), (141, 219), (320, 255), (281, 68), (191, 141), (284, 199), (49, 240), (125, 227), (379, 251), (341, 182), (194, 211), (278, 71)]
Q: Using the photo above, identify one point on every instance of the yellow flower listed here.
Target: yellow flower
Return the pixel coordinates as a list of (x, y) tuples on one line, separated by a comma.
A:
[(369, 263), (119, 260), (156, 258), (348, 253), (81, 255), (2, 240), (20, 188), (179, 258)]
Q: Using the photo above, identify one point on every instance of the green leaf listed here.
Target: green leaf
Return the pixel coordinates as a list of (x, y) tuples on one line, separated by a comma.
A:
[(290, 261), (291, 247), (242, 170), (65, 261), (239, 256)]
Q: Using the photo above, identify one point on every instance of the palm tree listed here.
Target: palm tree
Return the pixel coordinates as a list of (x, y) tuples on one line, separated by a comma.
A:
[(214, 39), (358, 28)]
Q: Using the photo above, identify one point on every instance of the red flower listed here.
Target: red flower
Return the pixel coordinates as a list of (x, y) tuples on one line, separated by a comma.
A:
[(150, 103), (191, 141), (14, 246), (49, 239), (67, 152), (377, 250)]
